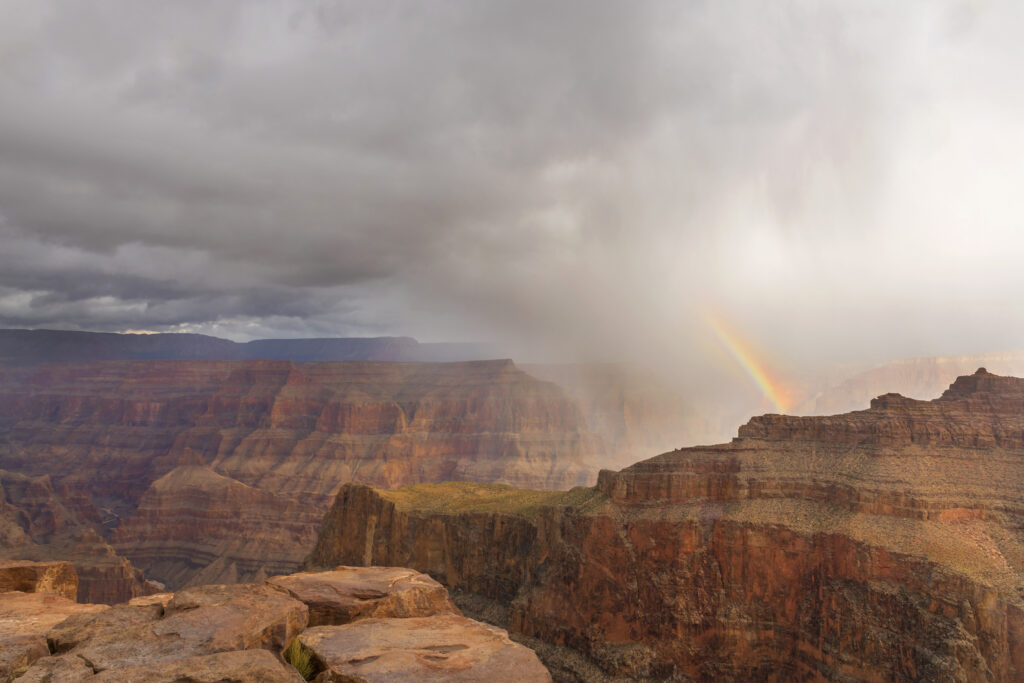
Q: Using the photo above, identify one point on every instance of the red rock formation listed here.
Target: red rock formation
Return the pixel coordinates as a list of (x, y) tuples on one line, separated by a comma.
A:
[(281, 436), (880, 545)]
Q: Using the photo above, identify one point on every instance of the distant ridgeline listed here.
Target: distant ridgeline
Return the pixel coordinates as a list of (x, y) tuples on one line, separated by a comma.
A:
[(31, 347)]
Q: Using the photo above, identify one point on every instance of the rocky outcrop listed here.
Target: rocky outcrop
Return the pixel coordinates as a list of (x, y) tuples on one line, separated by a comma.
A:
[(121, 443), (346, 594), (884, 544), (199, 635), (253, 632)]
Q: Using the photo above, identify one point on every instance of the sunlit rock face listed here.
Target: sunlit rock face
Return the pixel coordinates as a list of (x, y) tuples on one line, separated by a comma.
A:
[(884, 544), (219, 471)]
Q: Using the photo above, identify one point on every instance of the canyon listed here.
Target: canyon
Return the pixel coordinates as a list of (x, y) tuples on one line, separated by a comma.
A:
[(219, 471), (882, 544)]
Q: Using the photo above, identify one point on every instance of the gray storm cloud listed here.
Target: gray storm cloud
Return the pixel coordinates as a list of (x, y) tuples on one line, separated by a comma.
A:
[(575, 179)]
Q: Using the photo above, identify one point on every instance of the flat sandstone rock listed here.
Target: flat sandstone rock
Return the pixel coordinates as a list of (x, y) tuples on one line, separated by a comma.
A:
[(439, 648), (24, 620), (242, 666), (196, 622), (349, 593)]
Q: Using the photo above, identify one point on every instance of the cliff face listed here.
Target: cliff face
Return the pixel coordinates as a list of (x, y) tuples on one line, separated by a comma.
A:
[(278, 438), (881, 545)]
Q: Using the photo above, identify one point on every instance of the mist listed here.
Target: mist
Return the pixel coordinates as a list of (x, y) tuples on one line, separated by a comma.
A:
[(835, 181)]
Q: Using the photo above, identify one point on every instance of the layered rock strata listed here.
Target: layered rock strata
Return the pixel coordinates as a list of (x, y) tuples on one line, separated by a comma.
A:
[(884, 544), (124, 444)]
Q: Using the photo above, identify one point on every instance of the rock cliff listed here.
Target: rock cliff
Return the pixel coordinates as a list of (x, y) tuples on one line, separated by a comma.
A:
[(272, 440), (884, 544)]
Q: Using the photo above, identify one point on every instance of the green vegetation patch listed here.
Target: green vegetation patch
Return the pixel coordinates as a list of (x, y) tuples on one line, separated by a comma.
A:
[(457, 497), (299, 657)]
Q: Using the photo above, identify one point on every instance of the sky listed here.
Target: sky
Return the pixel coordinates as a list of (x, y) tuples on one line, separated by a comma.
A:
[(831, 181)]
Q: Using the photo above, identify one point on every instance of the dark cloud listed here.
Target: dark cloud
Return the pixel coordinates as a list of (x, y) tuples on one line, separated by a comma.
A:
[(573, 178)]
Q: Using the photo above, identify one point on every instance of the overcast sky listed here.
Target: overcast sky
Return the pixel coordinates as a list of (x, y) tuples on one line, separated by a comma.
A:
[(834, 180)]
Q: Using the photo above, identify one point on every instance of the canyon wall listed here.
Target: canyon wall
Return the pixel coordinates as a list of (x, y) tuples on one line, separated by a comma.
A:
[(885, 544), (220, 470)]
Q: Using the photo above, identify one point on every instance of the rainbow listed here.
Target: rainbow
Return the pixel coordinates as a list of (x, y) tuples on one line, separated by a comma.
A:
[(749, 362)]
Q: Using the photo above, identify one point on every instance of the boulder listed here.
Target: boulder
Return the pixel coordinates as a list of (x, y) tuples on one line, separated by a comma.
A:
[(439, 648), (24, 620), (195, 622), (239, 666), (349, 593)]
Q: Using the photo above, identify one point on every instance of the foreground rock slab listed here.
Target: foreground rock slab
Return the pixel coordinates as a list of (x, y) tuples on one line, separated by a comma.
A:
[(244, 666), (195, 622), (241, 666), (24, 620), (439, 648), (349, 593)]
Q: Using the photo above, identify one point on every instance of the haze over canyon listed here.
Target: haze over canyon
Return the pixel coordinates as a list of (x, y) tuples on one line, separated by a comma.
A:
[(577, 341)]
